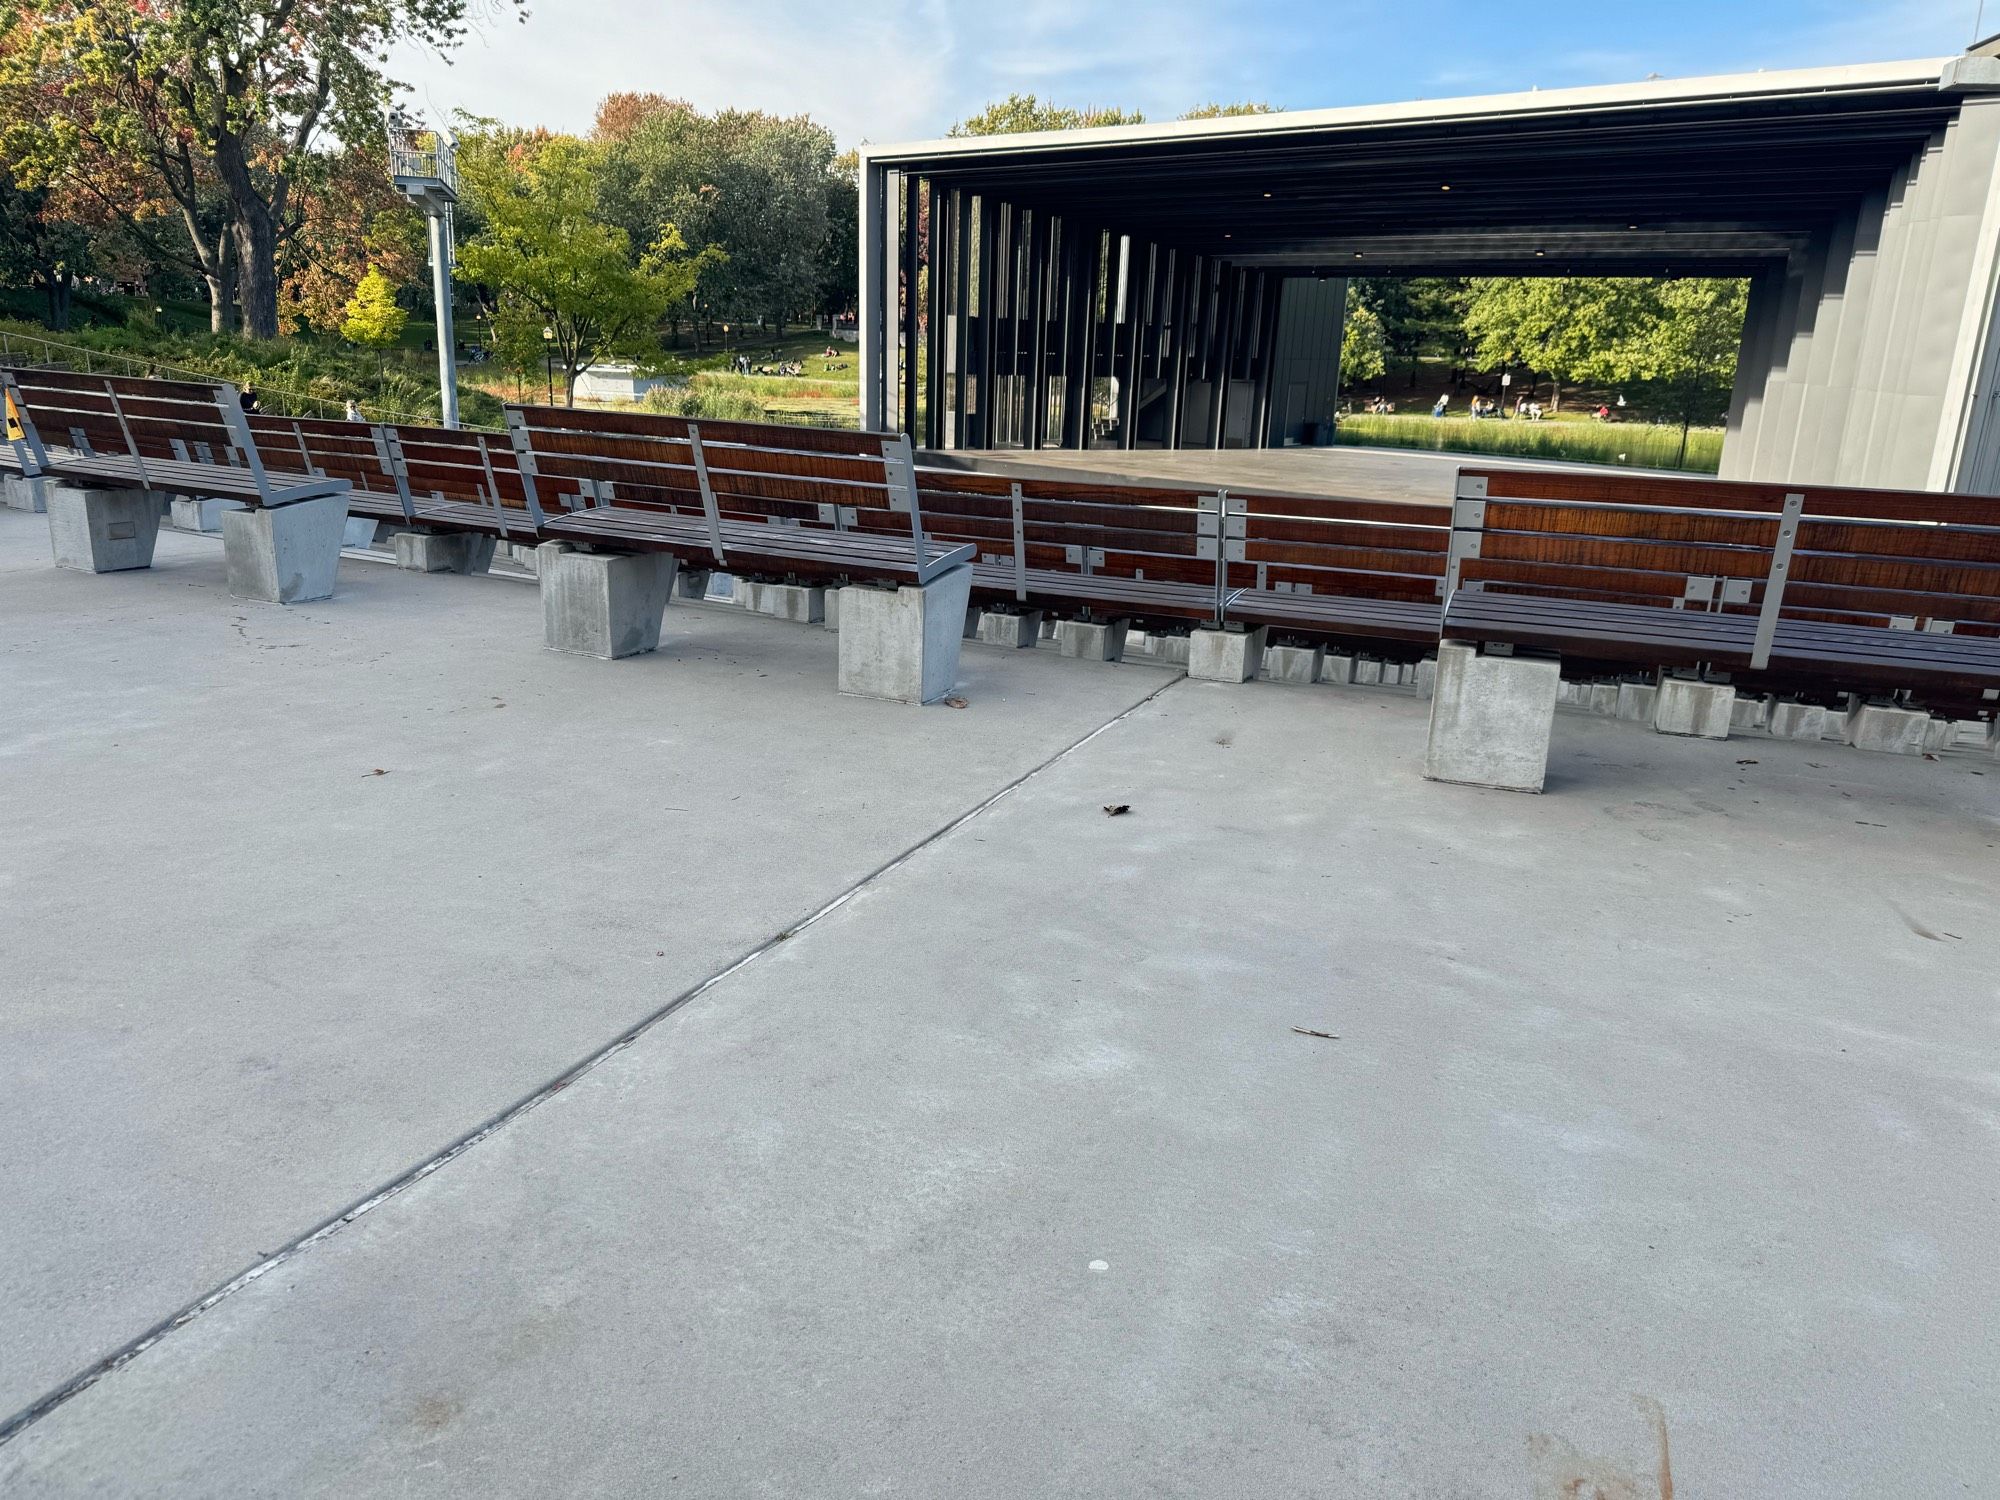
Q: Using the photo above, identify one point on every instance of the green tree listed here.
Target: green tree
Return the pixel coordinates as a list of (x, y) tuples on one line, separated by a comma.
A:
[(41, 248), (1224, 111), (555, 264), (211, 99), (374, 321), (1024, 112), (1561, 326), (1361, 341), (1420, 315), (1684, 346)]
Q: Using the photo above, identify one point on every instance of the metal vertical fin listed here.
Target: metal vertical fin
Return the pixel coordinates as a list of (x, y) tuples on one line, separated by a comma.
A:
[(230, 403), (524, 462), (1020, 546), (708, 505), (1774, 585), (493, 486), (899, 474), (389, 454), (131, 443)]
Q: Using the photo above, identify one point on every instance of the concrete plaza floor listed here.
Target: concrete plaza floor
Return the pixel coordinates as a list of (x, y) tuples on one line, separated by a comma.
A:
[(1659, 1121)]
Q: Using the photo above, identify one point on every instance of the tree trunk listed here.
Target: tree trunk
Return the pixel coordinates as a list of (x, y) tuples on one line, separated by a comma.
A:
[(257, 271), (56, 291), (1680, 462)]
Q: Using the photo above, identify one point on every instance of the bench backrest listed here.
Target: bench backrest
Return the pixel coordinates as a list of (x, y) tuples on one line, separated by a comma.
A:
[(168, 420), (1882, 558)]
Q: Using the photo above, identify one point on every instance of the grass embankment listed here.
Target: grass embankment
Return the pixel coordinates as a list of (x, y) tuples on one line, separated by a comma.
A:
[(294, 377), (1638, 445)]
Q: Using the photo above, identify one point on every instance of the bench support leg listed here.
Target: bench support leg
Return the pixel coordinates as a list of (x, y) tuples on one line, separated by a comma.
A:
[(191, 513), (798, 603), (1020, 630), (22, 492), (902, 644), (1701, 710), (1293, 663), (692, 583), (102, 531), (603, 604), (1226, 655), (1427, 677), (1890, 731), (1491, 719), (832, 620), (359, 533), (1796, 721), (1092, 640), (443, 552), (286, 555)]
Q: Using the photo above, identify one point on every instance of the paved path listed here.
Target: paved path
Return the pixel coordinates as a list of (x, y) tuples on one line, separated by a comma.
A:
[(1663, 1103)]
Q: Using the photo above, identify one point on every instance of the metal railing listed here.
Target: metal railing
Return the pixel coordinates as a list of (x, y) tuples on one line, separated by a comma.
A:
[(423, 153)]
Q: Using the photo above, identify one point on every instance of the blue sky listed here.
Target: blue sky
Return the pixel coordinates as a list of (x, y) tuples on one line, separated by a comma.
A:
[(889, 70)]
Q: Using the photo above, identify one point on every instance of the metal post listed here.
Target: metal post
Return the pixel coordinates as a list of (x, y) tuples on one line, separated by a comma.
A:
[(708, 505), (987, 284), (1224, 350), (961, 309), (1020, 545), (1138, 317), (1774, 585), (441, 291), (908, 320), (872, 321), (1034, 425), (1181, 332), (934, 337)]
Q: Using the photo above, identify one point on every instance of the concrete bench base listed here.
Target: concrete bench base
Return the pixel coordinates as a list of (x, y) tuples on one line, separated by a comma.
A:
[(1491, 719), (1092, 640), (1636, 701), (1293, 663), (902, 644), (286, 555), (185, 513), (1226, 655), (783, 601), (20, 492), (358, 535), (832, 620), (1700, 710), (603, 604), (443, 551), (1021, 631), (1796, 721), (1888, 731), (692, 583), (1336, 668), (102, 531)]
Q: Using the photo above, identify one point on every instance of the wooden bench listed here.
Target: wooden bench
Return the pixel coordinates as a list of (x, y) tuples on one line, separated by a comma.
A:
[(750, 499), (1359, 573), (109, 451), (1811, 592)]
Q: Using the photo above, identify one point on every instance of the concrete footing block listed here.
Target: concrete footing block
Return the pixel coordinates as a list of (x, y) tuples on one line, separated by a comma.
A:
[(1635, 701), (1367, 671), (902, 644), (1601, 698), (603, 604), (1092, 640), (1425, 676), (1747, 715), (358, 534), (1022, 631), (443, 551), (802, 604), (1293, 663), (1336, 668), (1701, 710), (1942, 734), (1226, 655), (1889, 731), (21, 492), (1491, 719), (102, 531), (832, 620), (286, 555), (692, 583), (1171, 648), (186, 513), (1797, 721)]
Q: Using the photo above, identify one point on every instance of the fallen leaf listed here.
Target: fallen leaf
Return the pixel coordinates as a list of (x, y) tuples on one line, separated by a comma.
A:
[(954, 703), (1746, 763), (1324, 1035), (1929, 756), (1862, 823), (378, 771), (1116, 809)]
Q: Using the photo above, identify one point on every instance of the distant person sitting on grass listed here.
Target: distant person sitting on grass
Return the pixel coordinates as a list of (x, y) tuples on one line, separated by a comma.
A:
[(1603, 412), (1442, 406)]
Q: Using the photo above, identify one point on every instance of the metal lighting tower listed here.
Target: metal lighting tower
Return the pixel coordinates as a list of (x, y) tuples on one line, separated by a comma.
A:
[(425, 170)]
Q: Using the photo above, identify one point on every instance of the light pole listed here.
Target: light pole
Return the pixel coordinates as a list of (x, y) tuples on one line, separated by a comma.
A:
[(549, 359), (425, 170)]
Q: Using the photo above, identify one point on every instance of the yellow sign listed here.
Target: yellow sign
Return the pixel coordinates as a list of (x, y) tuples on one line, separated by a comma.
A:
[(15, 432)]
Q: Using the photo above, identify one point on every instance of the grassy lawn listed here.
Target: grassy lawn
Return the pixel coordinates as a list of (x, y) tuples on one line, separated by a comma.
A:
[(1641, 445)]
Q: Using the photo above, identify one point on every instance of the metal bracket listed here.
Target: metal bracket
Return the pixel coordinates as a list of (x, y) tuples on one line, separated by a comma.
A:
[(1020, 544), (203, 454), (524, 462), (1735, 591), (389, 453), (1470, 486), (80, 440), (131, 444), (1774, 585), (1089, 559), (229, 402), (180, 449), (839, 517), (708, 505), (305, 453), (1464, 546), (493, 487)]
